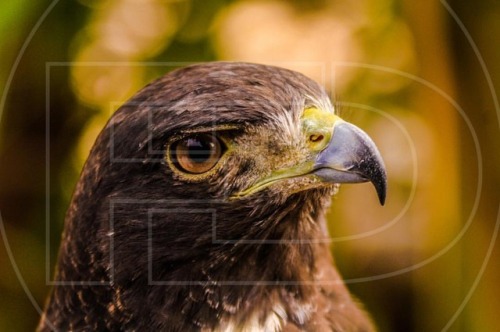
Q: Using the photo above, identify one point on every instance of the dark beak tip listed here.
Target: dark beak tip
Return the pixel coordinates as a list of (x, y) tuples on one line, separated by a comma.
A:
[(380, 185), (381, 198)]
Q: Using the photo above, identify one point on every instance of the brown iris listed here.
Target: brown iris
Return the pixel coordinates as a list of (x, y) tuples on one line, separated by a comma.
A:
[(196, 154)]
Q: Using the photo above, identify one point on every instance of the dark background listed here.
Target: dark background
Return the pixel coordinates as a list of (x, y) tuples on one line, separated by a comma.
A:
[(419, 76)]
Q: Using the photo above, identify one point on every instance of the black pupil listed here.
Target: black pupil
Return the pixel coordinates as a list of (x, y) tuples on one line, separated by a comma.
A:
[(199, 150)]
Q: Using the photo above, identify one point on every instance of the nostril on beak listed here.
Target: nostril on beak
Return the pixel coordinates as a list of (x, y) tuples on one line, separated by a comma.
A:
[(316, 138)]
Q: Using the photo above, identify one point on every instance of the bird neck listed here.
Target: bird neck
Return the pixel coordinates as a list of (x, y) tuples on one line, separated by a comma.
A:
[(271, 267), (269, 274)]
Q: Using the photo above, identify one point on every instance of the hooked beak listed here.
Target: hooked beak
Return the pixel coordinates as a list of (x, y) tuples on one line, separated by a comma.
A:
[(351, 157), (343, 154)]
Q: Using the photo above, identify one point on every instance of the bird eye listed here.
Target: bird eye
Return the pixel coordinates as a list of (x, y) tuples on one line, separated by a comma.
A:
[(196, 154)]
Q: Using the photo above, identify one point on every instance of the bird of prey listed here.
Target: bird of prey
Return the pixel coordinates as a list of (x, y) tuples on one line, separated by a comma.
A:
[(202, 208)]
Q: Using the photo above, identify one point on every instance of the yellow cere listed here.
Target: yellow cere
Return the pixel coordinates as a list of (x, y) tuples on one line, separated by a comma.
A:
[(318, 125)]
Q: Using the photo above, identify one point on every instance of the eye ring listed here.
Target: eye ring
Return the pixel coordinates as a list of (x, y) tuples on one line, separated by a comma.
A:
[(196, 154)]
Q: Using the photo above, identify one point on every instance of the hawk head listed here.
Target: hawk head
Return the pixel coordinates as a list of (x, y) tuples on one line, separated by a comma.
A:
[(201, 207)]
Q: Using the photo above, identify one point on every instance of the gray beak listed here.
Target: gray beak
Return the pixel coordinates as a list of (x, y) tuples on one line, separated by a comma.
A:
[(352, 157)]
